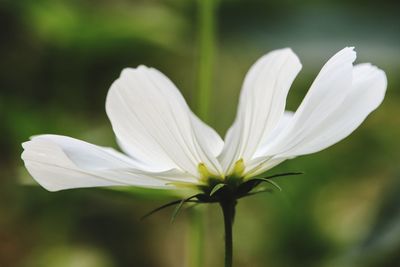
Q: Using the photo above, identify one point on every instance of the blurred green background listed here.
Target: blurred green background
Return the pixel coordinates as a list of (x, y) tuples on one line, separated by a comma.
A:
[(58, 59)]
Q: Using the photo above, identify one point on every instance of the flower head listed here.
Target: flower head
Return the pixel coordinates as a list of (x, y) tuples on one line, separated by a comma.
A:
[(167, 146)]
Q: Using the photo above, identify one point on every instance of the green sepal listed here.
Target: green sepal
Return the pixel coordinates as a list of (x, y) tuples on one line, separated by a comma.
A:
[(176, 210), (180, 205), (216, 188), (268, 181), (283, 174)]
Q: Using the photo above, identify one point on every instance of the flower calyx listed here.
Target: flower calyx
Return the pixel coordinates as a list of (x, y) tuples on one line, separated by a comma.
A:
[(233, 186), (224, 190)]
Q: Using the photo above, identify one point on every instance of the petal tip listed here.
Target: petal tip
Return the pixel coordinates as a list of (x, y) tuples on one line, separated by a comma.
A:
[(350, 52)]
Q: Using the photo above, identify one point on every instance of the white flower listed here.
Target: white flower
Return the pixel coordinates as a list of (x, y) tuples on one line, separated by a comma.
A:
[(167, 146)]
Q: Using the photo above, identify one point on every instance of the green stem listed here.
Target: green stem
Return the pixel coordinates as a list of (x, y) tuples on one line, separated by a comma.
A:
[(196, 238), (206, 40), (207, 22), (228, 210)]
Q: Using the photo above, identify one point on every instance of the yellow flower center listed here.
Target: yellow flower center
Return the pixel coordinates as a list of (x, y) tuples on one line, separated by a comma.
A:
[(209, 180)]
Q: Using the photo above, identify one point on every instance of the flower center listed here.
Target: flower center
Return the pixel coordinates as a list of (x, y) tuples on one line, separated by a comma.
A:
[(232, 180)]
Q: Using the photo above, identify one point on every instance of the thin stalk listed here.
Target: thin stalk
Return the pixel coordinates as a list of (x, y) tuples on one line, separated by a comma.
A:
[(196, 238), (228, 210), (206, 39)]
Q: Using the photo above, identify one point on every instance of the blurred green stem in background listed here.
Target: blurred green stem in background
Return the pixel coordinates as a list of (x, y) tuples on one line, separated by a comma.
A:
[(206, 39), (196, 238), (206, 45)]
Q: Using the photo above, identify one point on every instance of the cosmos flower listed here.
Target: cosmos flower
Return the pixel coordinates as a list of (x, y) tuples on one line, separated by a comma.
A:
[(167, 146)]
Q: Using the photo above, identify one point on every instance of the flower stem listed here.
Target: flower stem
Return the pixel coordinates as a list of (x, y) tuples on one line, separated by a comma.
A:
[(196, 238), (206, 39), (228, 210)]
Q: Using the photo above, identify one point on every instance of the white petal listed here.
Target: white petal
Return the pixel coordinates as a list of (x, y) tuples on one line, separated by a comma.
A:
[(261, 164), (60, 162), (366, 94), (262, 103), (268, 140), (154, 124), (326, 94), (212, 140), (340, 118)]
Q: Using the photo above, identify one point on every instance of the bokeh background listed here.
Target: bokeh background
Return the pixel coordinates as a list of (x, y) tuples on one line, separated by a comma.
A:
[(57, 61)]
